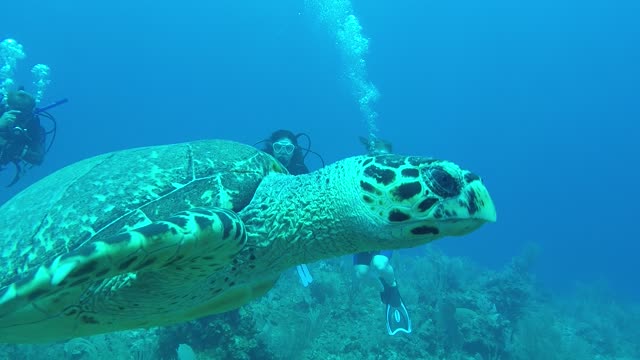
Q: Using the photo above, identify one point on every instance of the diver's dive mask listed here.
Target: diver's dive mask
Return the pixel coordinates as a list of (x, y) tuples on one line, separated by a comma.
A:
[(283, 147)]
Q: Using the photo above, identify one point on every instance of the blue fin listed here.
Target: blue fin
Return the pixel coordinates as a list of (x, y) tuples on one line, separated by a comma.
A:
[(304, 274), (397, 316), (398, 319)]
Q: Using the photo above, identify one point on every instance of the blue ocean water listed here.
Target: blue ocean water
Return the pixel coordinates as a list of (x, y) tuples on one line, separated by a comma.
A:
[(538, 97)]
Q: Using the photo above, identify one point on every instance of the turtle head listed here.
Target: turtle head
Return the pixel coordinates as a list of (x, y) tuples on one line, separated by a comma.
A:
[(415, 200)]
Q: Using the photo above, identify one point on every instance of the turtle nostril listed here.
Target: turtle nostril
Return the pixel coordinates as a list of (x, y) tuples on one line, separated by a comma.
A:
[(442, 183)]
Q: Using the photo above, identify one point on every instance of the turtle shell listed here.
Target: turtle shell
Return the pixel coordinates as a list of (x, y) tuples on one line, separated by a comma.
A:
[(106, 194)]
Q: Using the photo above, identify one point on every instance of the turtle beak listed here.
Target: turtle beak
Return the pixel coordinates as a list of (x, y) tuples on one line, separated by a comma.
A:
[(472, 208), (478, 196)]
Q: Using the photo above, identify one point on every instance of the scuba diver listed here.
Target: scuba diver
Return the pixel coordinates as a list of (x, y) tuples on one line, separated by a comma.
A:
[(376, 146), (396, 313), (283, 145), (22, 137)]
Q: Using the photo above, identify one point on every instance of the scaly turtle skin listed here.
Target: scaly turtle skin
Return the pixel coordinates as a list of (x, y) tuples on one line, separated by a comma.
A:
[(160, 235)]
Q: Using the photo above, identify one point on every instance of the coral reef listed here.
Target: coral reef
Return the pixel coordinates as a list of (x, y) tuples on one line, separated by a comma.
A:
[(459, 311)]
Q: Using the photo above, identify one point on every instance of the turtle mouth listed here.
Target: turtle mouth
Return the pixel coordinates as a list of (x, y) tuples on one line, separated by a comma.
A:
[(445, 227), (460, 227)]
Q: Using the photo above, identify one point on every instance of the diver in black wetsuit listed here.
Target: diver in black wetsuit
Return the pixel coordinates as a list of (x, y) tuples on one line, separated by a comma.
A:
[(22, 137)]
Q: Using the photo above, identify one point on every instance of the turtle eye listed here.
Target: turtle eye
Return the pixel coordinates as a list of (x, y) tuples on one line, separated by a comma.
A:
[(442, 183)]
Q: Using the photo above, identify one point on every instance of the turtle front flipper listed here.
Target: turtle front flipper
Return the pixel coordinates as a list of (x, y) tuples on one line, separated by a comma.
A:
[(215, 235)]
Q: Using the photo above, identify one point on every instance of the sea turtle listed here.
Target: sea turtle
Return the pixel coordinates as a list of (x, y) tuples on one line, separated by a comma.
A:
[(164, 234)]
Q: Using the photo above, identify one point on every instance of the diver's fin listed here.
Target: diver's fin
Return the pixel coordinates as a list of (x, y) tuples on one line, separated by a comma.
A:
[(396, 313), (304, 274)]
